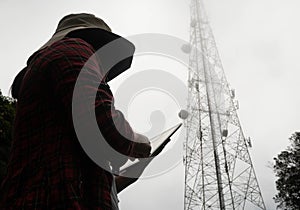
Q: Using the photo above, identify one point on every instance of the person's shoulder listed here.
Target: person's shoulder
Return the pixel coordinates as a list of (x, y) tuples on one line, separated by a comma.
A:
[(70, 42), (71, 46), (65, 49)]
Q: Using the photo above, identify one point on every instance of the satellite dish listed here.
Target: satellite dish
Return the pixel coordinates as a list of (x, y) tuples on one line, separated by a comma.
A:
[(183, 114), (186, 48)]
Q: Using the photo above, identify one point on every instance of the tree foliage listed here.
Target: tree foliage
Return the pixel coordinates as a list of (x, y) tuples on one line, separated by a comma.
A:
[(287, 169), (7, 113)]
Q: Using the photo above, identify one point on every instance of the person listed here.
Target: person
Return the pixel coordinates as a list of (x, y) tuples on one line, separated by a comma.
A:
[(48, 168)]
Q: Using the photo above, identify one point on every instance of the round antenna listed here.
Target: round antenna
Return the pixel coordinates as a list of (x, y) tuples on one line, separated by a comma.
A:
[(183, 114), (186, 48)]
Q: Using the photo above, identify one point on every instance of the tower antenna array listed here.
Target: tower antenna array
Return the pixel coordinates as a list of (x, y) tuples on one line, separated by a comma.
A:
[(218, 169)]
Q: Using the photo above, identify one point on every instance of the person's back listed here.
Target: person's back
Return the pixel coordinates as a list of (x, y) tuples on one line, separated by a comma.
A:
[(47, 165), (48, 168)]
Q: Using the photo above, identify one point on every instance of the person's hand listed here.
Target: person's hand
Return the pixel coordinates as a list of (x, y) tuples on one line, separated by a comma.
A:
[(141, 146)]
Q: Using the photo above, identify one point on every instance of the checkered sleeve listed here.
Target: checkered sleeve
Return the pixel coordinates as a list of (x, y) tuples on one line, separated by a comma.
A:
[(74, 57)]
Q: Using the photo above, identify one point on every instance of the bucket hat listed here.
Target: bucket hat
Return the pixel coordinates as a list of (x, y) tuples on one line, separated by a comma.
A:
[(75, 22), (97, 33)]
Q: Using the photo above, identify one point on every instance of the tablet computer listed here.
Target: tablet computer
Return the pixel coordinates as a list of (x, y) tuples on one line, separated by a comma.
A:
[(157, 144)]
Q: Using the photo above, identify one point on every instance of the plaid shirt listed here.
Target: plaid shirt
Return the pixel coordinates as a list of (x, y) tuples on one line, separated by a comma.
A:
[(48, 168)]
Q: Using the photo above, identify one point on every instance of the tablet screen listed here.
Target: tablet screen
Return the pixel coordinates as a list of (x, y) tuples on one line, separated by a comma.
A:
[(156, 143), (160, 139)]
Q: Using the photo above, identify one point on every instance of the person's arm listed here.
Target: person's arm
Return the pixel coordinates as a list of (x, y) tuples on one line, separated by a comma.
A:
[(67, 61), (123, 182)]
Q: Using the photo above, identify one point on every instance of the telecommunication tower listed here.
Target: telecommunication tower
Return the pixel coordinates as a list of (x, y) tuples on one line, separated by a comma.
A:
[(218, 169)]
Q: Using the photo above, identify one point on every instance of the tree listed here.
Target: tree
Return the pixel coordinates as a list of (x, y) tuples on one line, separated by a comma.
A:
[(287, 169), (7, 113)]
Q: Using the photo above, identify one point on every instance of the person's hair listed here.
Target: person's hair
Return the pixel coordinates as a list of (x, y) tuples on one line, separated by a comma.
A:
[(16, 85)]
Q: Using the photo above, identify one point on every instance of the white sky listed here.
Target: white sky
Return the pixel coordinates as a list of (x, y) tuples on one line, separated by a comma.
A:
[(258, 43)]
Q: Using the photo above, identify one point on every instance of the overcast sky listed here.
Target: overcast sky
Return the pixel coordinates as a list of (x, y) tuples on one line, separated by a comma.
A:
[(258, 43)]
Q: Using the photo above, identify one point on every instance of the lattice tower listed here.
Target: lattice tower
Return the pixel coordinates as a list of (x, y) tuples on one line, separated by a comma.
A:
[(218, 169)]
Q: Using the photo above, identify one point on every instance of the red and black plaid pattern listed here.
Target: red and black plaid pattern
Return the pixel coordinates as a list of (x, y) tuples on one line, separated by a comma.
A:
[(48, 168)]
